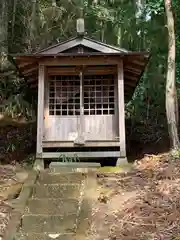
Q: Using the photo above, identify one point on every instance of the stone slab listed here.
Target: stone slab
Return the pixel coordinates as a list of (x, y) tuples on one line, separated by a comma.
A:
[(121, 161), (48, 224), (56, 191), (69, 178), (85, 215), (123, 168), (72, 167), (52, 206), (17, 213)]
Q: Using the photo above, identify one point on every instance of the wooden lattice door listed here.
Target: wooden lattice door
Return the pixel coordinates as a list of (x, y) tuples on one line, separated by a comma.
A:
[(99, 107), (81, 107), (64, 108)]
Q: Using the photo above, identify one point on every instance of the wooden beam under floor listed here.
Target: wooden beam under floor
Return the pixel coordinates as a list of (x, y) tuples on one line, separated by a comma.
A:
[(54, 144), (102, 154)]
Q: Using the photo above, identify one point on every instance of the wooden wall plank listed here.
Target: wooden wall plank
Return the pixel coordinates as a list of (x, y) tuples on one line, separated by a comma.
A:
[(96, 128), (60, 128), (100, 127)]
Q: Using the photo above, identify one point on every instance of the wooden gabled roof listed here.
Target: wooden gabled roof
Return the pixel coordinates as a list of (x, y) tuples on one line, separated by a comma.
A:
[(85, 42), (84, 48)]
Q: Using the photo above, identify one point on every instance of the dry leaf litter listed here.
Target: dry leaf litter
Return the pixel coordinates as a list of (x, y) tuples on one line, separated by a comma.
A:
[(7, 175), (143, 204)]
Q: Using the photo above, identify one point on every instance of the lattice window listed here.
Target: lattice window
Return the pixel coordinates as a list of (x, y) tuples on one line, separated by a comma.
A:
[(99, 95), (64, 96)]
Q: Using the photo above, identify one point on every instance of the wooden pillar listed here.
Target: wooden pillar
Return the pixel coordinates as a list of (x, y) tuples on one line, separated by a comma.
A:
[(80, 140), (121, 111), (39, 164)]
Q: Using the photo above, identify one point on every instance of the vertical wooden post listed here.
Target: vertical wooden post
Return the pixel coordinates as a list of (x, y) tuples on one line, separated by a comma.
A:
[(39, 164), (82, 106), (121, 111), (46, 105), (80, 139)]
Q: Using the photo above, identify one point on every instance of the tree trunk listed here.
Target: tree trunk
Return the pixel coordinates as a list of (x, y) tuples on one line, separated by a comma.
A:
[(14, 18), (32, 27), (171, 95), (119, 36), (3, 35)]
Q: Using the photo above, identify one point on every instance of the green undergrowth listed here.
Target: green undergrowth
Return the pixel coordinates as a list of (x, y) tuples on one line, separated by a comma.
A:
[(28, 162)]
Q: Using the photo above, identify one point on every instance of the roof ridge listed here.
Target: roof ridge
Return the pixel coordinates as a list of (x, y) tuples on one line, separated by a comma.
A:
[(55, 45), (81, 40), (107, 45)]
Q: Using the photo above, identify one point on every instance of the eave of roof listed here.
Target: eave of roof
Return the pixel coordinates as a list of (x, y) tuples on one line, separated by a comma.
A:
[(27, 64), (36, 55), (29, 69)]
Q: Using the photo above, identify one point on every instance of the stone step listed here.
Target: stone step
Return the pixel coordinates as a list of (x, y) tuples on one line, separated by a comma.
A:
[(68, 167), (52, 206), (49, 224), (56, 191), (51, 178), (43, 236)]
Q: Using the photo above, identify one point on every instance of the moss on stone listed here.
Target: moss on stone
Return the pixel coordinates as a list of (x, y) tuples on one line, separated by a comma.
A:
[(117, 169)]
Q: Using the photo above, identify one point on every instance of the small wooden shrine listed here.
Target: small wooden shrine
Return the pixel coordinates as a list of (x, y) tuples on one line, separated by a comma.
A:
[(82, 88)]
